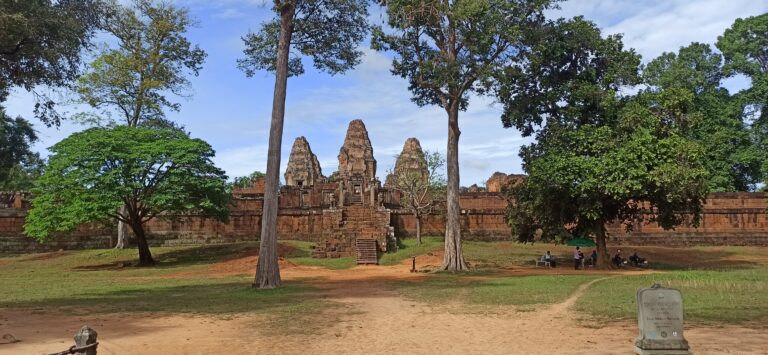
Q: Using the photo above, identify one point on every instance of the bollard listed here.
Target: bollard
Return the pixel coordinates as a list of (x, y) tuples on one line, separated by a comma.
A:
[(86, 336), (413, 268)]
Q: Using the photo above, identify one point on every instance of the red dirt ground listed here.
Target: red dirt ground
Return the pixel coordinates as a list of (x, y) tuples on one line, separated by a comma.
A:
[(374, 320)]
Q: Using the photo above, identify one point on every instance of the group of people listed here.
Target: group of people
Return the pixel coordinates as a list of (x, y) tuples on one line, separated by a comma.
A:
[(578, 258), (634, 260), (579, 262)]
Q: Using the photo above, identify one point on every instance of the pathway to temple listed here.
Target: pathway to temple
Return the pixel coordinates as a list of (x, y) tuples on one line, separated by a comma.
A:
[(373, 318)]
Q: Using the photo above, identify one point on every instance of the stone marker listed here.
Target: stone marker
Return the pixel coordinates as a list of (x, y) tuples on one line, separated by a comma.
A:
[(660, 320)]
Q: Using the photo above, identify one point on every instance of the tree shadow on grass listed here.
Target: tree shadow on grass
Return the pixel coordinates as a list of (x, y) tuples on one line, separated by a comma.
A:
[(689, 258), (198, 255), (216, 298)]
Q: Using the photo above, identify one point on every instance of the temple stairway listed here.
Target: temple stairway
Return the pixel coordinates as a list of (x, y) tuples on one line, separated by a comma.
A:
[(360, 227)]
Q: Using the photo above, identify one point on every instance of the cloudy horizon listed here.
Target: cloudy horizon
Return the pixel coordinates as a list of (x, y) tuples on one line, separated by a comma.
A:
[(232, 112)]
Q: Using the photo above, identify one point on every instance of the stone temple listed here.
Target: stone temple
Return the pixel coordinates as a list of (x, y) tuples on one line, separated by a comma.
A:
[(350, 212)]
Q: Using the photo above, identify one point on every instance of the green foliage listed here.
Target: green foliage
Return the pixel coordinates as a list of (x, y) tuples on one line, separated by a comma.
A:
[(731, 159), (745, 49), (41, 42), (448, 49), (572, 76), (23, 176), (245, 181), (16, 158), (585, 177), (329, 31), (408, 248), (599, 157), (153, 58), (93, 173)]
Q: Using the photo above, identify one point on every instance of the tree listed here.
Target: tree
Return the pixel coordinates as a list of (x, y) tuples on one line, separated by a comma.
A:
[(16, 138), (152, 172), (245, 181), (41, 42), (326, 30), (153, 57), (599, 156), (418, 180), (448, 50), (22, 176), (745, 49), (731, 158)]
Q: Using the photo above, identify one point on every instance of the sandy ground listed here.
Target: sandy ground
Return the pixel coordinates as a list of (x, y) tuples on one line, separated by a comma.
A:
[(374, 320)]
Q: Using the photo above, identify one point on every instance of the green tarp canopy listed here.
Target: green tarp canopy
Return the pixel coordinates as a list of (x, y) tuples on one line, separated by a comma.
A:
[(580, 242)]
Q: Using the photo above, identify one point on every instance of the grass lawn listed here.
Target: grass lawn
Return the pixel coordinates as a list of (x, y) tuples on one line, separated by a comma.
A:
[(407, 248), (729, 296), (470, 289), (719, 284), (92, 281), (302, 255)]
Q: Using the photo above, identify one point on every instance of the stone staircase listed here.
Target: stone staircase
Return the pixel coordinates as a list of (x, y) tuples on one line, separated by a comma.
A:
[(367, 251), (359, 224)]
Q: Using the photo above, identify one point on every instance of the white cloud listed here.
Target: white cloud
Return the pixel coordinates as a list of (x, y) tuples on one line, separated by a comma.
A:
[(657, 26), (232, 112)]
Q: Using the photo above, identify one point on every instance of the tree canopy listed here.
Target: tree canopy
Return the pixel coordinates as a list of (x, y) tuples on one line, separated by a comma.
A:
[(731, 159), (329, 32), (16, 158), (745, 49), (153, 58), (600, 156), (447, 50), (41, 43), (245, 181), (152, 172)]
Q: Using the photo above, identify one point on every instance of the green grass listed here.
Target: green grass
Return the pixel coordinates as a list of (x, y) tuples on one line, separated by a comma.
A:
[(466, 289), (407, 248), (729, 296), (92, 281), (303, 256)]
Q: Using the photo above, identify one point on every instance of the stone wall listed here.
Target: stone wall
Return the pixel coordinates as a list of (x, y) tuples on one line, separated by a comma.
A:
[(13, 240), (729, 219)]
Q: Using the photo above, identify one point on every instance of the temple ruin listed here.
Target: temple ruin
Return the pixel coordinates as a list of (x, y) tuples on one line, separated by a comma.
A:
[(350, 212)]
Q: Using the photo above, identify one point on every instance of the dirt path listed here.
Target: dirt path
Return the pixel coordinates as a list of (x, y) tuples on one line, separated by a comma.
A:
[(375, 319)]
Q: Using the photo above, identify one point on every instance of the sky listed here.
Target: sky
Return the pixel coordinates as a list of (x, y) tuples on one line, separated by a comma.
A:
[(232, 112)]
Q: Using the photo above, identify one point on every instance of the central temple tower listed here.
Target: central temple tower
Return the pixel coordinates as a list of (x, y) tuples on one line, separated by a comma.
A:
[(357, 168)]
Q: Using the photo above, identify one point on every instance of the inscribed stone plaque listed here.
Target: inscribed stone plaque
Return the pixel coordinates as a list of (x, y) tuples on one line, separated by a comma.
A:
[(660, 320)]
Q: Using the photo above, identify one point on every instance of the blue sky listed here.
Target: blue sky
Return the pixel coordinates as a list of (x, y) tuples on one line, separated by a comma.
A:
[(232, 112)]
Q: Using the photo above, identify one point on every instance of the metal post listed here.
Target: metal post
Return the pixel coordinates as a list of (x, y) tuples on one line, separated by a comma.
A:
[(413, 268)]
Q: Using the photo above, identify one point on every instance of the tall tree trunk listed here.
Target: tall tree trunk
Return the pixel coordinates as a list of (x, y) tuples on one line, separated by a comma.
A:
[(268, 270), (418, 228), (454, 257), (122, 231), (145, 256), (603, 258)]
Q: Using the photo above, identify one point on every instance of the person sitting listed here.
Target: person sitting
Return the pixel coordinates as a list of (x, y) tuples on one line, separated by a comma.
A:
[(636, 260), (549, 259), (617, 259)]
